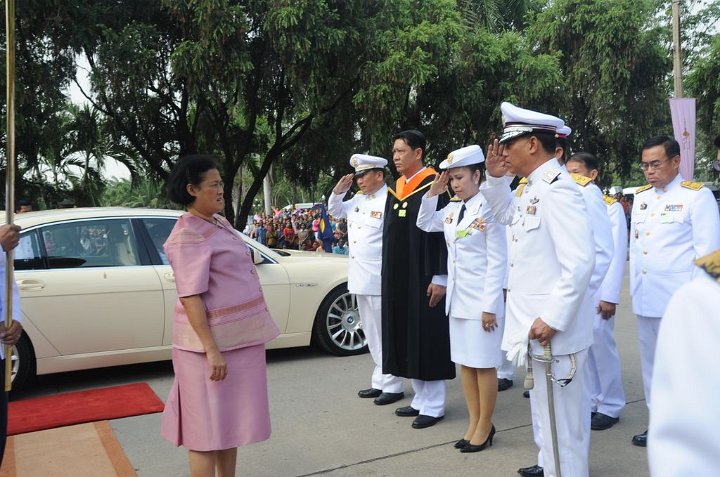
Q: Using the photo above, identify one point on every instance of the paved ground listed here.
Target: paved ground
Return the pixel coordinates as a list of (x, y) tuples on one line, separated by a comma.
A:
[(321, 427)]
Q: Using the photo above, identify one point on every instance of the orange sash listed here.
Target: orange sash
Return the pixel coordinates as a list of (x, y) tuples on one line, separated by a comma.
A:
[(403, 189)]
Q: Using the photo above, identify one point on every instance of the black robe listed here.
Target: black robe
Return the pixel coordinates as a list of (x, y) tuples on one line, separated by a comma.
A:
[(415, 337)]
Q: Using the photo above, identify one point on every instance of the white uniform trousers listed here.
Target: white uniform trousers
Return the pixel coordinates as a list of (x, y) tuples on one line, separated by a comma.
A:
[(429, 397), (572, 417), (507, 369), (604, 376), (648, 328), (369, 307)]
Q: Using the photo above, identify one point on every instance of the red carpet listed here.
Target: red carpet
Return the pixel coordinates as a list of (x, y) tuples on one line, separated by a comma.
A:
[(83, 406)]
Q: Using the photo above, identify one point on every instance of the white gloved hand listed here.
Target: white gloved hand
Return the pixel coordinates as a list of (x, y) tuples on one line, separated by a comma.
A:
[(519, 350)]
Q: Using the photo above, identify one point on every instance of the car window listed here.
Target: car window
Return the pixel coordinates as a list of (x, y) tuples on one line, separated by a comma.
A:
[(27, 254), (90, 243), (159, 229)]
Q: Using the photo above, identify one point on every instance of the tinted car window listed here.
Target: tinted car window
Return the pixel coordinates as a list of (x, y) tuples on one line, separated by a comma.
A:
[(90, 243), (27, 254), (159, 229)]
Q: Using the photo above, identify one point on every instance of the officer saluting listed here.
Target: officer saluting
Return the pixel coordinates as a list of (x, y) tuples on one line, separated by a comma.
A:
[(673, 223), (477, 255), (551, 262), (365, 214)]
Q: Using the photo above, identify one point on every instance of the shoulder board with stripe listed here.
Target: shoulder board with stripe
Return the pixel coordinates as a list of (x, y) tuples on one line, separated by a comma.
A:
[(551, 176), (580, 180), (711, 264), (644, 188), (692, 185), (609, 200)]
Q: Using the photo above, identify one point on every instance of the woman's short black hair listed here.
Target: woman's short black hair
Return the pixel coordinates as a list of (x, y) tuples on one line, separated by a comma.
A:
[(189, 169)]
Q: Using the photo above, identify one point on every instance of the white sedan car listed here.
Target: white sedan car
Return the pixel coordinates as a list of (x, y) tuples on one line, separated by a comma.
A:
[(96, 290)]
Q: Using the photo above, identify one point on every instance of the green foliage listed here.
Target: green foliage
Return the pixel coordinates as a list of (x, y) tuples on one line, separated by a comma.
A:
[(143, 193), (296, 86), (613, 90)]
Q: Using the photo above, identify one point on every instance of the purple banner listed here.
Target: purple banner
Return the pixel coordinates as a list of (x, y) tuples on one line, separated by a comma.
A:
[(683, 121)]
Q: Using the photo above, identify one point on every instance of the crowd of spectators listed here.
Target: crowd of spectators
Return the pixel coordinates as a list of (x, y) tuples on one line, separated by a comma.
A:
[(297, 229)]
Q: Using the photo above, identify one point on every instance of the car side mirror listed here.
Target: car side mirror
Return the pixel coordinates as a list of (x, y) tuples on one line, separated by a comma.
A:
[(256, 256)]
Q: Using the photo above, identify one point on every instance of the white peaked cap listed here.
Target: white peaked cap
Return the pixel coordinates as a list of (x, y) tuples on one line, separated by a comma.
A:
[(519, 121), (363, 162), (463, 157)]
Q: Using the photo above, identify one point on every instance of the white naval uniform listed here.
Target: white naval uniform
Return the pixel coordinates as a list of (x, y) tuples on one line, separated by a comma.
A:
[(683, 437), (670, 229), (601, 233), (477, 254), (551, 263), (365, 216), (601, 229), (604, 380)]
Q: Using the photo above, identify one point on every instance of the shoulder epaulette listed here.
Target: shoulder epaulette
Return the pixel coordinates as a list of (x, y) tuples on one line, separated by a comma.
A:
[(551, 176), (580, 180), (644, 188), (692, 185), (711, 264), (455, 199), (521, 185), (609, 200)]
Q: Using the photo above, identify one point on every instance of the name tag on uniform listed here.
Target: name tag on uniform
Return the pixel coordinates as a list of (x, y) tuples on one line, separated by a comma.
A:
[(376, 214), (667, 218), (673, 208)]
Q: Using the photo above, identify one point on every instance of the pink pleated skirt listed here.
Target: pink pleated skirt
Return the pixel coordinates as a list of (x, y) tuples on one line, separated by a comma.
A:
[(204, 415)]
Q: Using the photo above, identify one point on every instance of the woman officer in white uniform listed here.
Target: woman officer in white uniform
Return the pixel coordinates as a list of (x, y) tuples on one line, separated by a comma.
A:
[(477, 254)]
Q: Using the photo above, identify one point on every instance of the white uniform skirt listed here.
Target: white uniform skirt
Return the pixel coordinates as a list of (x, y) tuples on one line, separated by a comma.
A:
[(472, 346)]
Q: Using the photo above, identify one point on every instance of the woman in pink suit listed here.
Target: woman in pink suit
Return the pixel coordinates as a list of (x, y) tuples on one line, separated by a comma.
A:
[(218, 401)]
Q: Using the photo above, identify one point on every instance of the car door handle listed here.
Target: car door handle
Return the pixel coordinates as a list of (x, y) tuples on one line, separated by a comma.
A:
[(31, 285), (170, 276)]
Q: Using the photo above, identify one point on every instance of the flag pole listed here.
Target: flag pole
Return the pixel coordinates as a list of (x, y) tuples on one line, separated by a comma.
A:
[(677, 56), (9, 173)]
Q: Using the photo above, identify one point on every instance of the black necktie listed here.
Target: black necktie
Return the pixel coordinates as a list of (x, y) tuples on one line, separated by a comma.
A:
[(462, 213)]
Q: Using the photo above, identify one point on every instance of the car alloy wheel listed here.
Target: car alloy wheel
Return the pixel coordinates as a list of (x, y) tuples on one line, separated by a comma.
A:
[(338, 328)]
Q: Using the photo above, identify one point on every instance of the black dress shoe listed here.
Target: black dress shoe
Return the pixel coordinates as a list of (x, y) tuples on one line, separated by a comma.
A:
[(461, 443), (526, 393), (388, 398), (640, 440), (533, 471), (423, 421), (369, 393), (600, 421), (504, 384), (407, 411), (477, 448)]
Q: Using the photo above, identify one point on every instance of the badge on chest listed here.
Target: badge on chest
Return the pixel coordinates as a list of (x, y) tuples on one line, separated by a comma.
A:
[(532, 207), (477, 225), (401, 210)]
